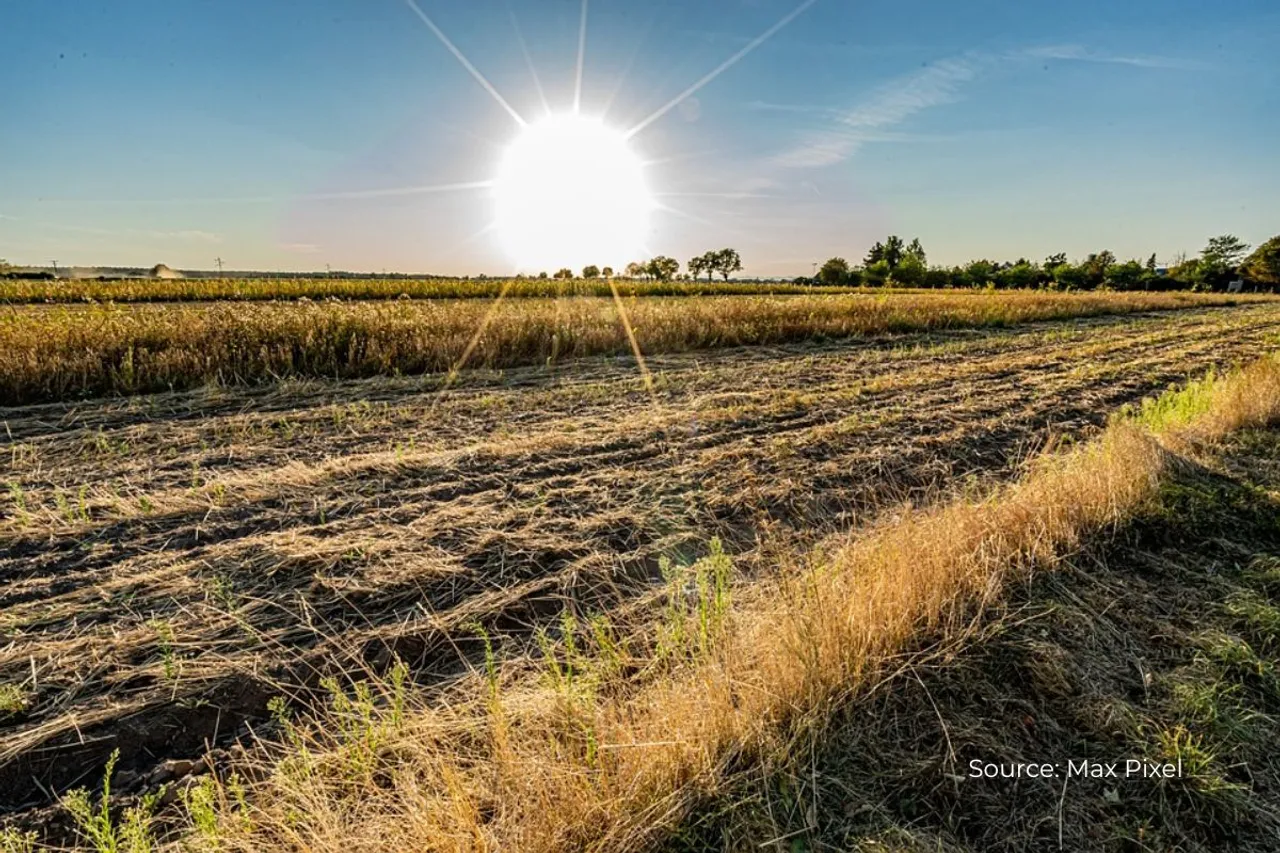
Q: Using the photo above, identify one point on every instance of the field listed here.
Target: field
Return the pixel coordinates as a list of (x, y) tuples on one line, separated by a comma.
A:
[(50, 353), (19, 291), (174, 561)]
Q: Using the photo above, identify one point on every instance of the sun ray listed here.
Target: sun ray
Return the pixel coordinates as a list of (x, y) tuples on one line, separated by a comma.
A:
[(635, 344), (582, 58), (692, 217), (466, 63), (381, 192), (722, 67), (631, 61), (398, 191), (528, 60), (458, 365)]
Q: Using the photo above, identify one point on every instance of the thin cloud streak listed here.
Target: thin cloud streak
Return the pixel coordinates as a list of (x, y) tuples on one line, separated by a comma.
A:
[(1078, 53), (352, 195), (940, 83), (890, 105)]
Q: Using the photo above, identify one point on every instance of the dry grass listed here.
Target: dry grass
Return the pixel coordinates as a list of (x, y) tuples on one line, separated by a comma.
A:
[(582, 756), (56, 353), (18, 291)]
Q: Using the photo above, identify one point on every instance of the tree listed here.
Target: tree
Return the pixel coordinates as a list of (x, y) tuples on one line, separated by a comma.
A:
[(1055, 261), (636, 269), (874, 275), (1020, 276), (1263, 266), (704, 263), (834, 272), (591, 271), (1096, 267), (915, 250), (726, 262), (1070, 277), (1225, 251), (607, 272), (663, 268), (564, 272), (542, 274), (1126, 276), (1218, 262), (890, 251), (910, 272), (875, 255), (980, 273)]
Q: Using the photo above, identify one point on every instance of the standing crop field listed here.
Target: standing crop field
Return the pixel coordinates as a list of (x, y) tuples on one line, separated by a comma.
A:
[(176, 565), (68, 352), (18, 291)]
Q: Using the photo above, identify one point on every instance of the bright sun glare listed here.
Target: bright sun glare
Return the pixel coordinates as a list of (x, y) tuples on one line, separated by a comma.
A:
[(570, 192)]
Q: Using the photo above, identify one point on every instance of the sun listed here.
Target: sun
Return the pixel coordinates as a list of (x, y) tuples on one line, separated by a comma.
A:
[(570, 192)]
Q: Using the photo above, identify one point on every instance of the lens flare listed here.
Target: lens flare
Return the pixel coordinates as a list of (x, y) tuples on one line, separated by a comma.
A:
[(571, 192)]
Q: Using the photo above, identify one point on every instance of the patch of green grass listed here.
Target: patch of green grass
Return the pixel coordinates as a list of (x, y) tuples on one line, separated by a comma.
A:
[(1256, 616), (101, 834), (12, 700)]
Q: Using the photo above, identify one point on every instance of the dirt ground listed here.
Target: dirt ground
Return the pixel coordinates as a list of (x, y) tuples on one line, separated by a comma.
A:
[(172, 562)]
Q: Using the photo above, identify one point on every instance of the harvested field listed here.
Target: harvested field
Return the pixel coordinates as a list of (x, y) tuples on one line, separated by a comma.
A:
[(51, 353), (174, 561)]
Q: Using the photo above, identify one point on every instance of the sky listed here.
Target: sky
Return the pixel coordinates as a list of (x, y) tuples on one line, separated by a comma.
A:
[(300, 135)]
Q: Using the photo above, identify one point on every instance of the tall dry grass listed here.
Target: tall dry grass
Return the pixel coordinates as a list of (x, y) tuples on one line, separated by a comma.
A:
[(20, 291), (606, 761), (63, 352)]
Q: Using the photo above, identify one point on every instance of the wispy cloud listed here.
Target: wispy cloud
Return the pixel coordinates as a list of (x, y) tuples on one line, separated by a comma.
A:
[(889, 105), (940, 83), (187, 235), (1079, 53)]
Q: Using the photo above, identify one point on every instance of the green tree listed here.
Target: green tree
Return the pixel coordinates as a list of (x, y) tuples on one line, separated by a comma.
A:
[(910, 272), (726, 262), (1096, 267), (564, 272), (980, 273), (1022, 275), (891, 251), (663, 268), (1129, 275), (1070, 277), (1263, 266), (1225, 251), (1054, 261), (704, 263), (591, 271), (607, 272), (876, 274), (635, 269), (915, 250), (542, 274), (1219, 261), (834, 272)]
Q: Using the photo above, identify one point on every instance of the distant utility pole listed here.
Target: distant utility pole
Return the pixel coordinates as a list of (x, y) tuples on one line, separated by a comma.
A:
[(815, 269), (328, 271), (218, 261), (55, 268)]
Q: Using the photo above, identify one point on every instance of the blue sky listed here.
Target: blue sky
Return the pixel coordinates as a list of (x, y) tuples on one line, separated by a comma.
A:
[(292, 134)]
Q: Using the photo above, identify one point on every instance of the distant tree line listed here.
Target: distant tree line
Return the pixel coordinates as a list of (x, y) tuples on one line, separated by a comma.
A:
[(1226, 259)]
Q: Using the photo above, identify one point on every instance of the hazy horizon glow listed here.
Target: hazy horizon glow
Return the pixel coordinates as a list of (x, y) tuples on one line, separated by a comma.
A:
[(370, 137)]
